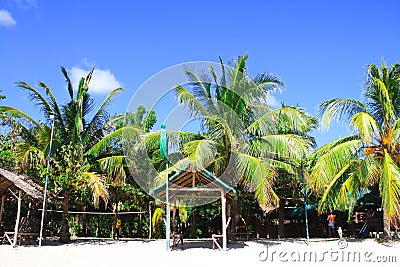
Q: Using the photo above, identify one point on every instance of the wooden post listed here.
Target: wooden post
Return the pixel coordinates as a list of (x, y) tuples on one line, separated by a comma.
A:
[(173, 217), (224, 237), (150, 220), (18, 218), (3, 199)]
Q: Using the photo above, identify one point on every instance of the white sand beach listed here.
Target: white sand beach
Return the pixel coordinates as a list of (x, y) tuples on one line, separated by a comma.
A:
[(89, 252)]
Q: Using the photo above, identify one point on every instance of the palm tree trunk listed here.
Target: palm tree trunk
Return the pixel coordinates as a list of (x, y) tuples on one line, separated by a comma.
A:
[(84, 222), (193, 228), (281, 229), (236, 215), (386, 225), (64, 231)]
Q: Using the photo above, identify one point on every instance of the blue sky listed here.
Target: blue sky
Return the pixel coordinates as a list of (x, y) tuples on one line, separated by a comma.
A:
[(319, 48)]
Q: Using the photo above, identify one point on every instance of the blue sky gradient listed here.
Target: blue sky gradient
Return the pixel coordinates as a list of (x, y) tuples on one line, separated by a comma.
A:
[(319, 48)]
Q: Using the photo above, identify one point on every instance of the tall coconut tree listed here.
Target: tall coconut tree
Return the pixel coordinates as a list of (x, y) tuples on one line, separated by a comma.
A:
[(346, 168), (245, 139), (76, 139)]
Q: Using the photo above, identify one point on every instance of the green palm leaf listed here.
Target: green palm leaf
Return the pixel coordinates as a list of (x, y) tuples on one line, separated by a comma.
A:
[(366, 126), (337, 109), (389, 187)]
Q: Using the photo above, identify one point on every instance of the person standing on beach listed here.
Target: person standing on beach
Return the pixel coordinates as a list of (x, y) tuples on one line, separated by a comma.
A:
[(331, 224), (117, 229)]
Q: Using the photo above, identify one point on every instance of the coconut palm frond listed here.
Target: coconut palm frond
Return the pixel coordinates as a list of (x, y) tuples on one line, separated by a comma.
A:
[(157, 216), (223, 76), (269, 82), (337, 109), (220, 127), (290, 118), (389, 187), (316, 155), (69, 84), (130, 133), (111, 122), (258, 175), (101, 116), (237, 74), (36, 97), (29, 154), (266, 196), (200, 152), (190, 101), (366, 126), (396, 132), (287, 145), (367, 172), (385, 104), (183, 214), (332, 162), (53, 103), (97, 187), (335, 195), (113, 166), (17, 114)]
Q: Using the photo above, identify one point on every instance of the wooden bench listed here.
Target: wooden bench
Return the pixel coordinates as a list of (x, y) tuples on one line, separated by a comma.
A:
[(176, 238), (10, 235), (28, 229), (215, 237), (215, 243)]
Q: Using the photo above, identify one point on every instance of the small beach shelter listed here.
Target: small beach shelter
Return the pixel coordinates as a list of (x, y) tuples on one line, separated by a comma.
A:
[(18, 186), (191, 183)]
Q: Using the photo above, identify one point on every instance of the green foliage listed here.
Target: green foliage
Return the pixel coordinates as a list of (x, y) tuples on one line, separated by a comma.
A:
[(240, 127), (7, 155), (349, 166), (142, 118)]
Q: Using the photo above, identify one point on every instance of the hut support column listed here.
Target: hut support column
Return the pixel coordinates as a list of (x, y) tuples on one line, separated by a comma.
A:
[(18, 218), (3, 199), (150, 220), (224, 237), (173, 217)]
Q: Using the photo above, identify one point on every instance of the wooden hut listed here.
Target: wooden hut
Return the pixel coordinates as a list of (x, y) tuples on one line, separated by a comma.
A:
[(194, 184), (20, 187)]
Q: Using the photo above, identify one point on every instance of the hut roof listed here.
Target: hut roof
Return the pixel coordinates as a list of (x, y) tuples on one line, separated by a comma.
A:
[(190, 182), (11, 180)]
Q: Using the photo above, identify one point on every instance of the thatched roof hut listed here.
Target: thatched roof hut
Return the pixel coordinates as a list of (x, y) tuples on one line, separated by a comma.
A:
[(11, 180)]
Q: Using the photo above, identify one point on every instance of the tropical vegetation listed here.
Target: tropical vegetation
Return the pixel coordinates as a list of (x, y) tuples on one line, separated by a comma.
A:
[(369, 159), (261, 150)]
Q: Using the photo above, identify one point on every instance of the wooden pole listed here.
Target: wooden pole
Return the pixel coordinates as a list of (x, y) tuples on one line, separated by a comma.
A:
[(173, 217), (3, 199), (167, 209), (224, 237), (150, 221), (18, 218)]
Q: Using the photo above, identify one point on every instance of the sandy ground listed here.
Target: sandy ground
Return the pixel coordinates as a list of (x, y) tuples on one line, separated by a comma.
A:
[(90, 252)]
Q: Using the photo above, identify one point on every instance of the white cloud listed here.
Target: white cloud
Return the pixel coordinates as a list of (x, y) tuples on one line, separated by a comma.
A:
[(6, 19), (103, 81), (272, 101)]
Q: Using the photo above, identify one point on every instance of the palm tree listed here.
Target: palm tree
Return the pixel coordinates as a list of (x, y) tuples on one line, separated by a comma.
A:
[(346, 168), (245, 139), (76, 139)]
